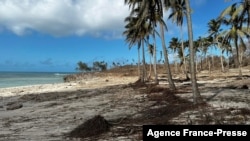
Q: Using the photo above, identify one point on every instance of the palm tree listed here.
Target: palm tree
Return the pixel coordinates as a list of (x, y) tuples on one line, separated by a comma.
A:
[(159, 8), (175, 45), (178, 8), (202, 45), (155, 58), (152, 11), (214, 31), (166, 62), (232, 17), (151, 53), (204, 50), (245, 11), (196, 93), (135, 35)]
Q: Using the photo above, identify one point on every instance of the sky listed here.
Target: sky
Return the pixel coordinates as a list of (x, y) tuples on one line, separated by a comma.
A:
[(53, 35)]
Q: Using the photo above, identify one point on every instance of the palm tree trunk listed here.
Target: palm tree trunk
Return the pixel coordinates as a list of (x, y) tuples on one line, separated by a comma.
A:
[(213, 62), (209, 68), (139, 63), (150, 67), (143, 63), (196, 93), (196, 63), (238, 57), (164, 49), (206, 60), (184, 57), (201, 62), (155, 61), (221, 60), (175, 65), (221, 57)]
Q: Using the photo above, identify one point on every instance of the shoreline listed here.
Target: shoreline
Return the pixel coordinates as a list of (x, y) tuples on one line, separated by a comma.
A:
[(91, 83), (34, 89)]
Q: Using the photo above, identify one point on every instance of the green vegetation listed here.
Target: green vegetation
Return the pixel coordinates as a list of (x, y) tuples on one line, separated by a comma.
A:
[(82, 67), (97, 66)]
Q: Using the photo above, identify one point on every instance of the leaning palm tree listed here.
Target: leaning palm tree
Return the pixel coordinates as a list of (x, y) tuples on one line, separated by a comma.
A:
[(132, 39), (232, 17), (143, 24), (157, 9), (135, 35), (178, 12), (196, 93)]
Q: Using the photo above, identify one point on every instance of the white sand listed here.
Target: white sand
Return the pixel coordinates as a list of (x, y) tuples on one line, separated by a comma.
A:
[(49, 111)]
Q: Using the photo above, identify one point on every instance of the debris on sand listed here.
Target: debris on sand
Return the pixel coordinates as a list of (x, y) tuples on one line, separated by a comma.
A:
[(92, 127), (14, 106)]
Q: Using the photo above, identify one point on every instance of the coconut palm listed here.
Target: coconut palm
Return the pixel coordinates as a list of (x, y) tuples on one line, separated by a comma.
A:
[(245, 11), (214, 31), (232, 17), (202, 45), (178, 12), (135, 35), (152, 11), (196, 93), (175, 45), (159, 14)]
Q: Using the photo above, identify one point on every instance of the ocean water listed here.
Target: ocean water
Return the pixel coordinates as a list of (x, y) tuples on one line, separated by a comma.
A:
[(14, 79)]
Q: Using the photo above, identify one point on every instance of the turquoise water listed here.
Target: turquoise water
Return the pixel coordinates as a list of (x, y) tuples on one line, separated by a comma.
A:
[(14, 79)]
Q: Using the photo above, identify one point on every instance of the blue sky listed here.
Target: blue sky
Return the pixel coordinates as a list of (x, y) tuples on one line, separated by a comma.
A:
[(53, 35)]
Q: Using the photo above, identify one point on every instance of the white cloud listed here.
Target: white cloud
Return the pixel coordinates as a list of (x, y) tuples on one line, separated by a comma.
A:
[(63, 17)]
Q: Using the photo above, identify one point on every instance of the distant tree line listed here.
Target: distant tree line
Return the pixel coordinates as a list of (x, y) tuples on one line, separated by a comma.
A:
[(97, 66)]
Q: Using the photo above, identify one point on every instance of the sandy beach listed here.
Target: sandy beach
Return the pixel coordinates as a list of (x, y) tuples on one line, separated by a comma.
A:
[(49, 112)]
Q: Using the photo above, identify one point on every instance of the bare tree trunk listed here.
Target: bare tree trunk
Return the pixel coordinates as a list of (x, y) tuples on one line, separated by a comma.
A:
[(166, 62), (196, 93)]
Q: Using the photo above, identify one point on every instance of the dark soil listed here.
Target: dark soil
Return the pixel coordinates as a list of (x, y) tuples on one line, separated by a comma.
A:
[(92, 127)]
